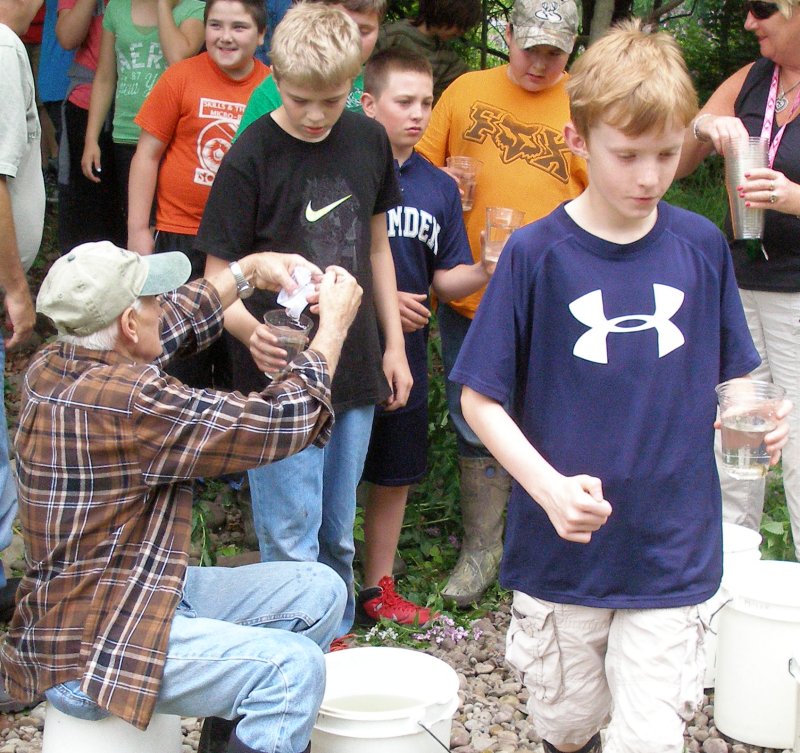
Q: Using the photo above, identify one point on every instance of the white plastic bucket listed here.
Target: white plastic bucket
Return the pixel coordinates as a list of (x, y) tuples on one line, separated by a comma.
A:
[(756, 697), (739, 545), (67, 734), (794, 671), (385, 700)]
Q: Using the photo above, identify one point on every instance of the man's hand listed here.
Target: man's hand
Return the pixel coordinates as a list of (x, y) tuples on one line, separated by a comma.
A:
[(576, 507), (21, 316), (273, 271), (339, 299), (414, 314)]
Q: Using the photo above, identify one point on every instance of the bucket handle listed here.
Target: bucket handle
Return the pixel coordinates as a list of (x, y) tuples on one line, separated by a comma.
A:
[(715, 613), (430, 732), (794, 669)]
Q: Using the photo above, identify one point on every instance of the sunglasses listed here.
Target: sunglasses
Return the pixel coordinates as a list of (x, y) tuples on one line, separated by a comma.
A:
[(760, 10)]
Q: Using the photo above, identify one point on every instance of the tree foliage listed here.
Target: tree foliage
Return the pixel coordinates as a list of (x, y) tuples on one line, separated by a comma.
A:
[(711, 32)]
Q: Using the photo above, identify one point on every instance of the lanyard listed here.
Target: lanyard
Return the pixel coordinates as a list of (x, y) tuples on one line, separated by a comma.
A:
[(769, 115)]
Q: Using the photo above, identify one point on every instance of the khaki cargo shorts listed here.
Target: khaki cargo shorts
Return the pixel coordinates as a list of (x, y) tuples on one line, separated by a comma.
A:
[(639, 670)]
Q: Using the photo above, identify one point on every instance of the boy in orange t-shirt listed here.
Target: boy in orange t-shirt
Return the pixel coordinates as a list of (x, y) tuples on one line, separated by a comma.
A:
[(188, 122)]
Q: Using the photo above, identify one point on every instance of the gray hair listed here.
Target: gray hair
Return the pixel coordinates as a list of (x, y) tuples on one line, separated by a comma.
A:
[(103, 339)]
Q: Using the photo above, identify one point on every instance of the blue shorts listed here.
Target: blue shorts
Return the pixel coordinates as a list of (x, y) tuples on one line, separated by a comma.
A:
[(398, 448)]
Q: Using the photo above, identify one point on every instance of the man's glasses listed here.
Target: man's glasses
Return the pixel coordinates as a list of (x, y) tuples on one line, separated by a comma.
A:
[(760, 10)]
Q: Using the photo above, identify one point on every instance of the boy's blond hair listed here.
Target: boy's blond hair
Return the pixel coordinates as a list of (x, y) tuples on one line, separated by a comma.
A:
[(632, 80), (787, 7), (316, 45), (378, 7)]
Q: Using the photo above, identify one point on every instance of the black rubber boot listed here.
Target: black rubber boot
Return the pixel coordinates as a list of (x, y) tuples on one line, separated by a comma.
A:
[(237, 746), (593, 746), (215, 734)]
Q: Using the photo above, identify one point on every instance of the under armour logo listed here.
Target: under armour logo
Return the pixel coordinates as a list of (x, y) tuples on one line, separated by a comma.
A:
[(588, 310)]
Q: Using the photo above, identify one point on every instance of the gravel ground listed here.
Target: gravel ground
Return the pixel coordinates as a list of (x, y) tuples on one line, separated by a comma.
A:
[(491, 717)]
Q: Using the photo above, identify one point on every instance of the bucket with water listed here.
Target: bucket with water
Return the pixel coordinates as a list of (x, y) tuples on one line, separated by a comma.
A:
[(756, 697), (385, 700), (739, 545)]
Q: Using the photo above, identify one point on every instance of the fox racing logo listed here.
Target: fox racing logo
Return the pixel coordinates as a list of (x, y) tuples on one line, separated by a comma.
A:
[(539, 145)]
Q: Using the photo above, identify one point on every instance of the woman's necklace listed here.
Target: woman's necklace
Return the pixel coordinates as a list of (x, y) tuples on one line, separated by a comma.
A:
[(781, 101)]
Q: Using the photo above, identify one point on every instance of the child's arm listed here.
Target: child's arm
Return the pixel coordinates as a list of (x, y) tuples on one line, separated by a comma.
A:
[(574, 504), (103, 86), (73, 23), (460, 281), (448, 284), (141, 190), (395, 364), (178, 42)]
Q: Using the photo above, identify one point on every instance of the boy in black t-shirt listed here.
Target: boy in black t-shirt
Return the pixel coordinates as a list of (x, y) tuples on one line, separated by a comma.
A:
[(312, 179)]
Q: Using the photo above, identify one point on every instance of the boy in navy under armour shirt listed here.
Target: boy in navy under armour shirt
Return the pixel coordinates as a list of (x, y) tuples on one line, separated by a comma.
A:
[(430, 249), (606, 327)]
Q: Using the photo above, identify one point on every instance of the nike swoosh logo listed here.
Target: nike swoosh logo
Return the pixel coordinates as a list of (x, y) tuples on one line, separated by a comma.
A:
[(312, 215)]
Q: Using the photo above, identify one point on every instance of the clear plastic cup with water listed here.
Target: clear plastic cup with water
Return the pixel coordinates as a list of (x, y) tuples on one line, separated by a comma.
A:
[(741, 156), (748, 411), (292, 335), (500, 223)]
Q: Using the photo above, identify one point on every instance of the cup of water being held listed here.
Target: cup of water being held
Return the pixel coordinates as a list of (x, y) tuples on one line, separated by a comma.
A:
[(748, 412), (741, 156), (292, 334)]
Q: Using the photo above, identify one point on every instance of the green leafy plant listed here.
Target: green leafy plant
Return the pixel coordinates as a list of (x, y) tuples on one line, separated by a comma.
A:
[(200, 534), (776, 531)]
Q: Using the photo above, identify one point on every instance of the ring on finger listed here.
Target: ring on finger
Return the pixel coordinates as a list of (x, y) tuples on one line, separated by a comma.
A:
[(772, 186), (772, 198)]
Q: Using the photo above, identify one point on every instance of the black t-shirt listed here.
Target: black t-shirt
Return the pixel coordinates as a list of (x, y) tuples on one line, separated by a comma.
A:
[(274, 192), (781, 273)]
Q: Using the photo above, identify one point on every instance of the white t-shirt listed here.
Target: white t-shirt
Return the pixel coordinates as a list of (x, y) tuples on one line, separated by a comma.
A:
[(20, 136)]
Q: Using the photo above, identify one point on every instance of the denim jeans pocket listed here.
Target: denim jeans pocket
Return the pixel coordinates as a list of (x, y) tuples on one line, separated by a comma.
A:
[(532, 650)]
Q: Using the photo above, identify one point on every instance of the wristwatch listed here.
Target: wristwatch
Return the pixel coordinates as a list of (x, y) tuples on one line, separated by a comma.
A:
[(243, 286)]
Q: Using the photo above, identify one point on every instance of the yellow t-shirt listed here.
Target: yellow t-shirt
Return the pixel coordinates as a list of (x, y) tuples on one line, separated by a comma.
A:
[(518, 136)]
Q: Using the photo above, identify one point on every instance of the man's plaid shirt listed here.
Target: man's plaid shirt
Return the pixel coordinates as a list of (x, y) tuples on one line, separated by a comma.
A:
[(105, 449)]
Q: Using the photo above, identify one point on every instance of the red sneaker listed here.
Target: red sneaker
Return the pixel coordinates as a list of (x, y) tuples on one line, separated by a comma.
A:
[(340, 644), (382, 601)]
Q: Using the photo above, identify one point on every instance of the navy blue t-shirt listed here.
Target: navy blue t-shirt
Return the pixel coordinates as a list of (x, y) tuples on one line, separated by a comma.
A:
[(426, 233), (609, 355)]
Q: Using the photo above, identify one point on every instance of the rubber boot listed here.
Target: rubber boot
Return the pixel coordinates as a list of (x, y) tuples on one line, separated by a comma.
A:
[(485, 486), (215, 734), (237, 746)]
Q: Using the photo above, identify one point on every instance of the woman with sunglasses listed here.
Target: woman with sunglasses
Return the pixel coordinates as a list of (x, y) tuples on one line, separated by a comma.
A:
[(763, 99)]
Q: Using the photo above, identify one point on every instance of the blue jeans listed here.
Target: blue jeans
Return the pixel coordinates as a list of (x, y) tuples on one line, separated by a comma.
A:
[(8, 489), (245, 641), (453, 328), (304, 506)]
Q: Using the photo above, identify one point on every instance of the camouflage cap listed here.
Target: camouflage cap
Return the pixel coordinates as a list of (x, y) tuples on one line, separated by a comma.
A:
[(552, 22)]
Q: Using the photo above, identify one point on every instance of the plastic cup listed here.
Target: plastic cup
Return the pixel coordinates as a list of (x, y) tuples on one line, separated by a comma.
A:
[(747, 411), (292, 335), (500, 223), (741, 156), (466, 170)]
